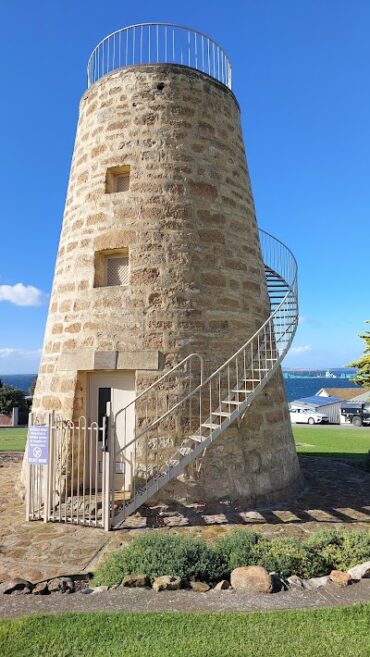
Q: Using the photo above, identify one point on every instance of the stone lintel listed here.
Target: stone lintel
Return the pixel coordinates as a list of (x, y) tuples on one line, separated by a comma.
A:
[(138, 360), (76, 360), (105, 360), (88, 359)]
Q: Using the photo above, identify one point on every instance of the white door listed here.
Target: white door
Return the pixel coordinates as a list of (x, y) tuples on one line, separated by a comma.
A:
[(119, 389)]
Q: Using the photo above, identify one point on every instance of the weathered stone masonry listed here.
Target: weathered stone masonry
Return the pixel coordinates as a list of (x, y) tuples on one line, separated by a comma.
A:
[(196, 273)]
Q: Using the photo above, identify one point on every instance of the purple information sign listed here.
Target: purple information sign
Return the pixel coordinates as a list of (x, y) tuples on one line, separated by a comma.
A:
[(38, 444)]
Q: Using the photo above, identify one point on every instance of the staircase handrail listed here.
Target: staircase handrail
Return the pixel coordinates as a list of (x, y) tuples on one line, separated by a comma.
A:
[(163, 377), (291, 293), (228, 397)]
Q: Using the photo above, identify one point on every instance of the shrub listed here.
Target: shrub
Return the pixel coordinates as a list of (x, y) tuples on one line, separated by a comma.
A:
[(288, 556), (340, 549), (237, 549), (157, 554)]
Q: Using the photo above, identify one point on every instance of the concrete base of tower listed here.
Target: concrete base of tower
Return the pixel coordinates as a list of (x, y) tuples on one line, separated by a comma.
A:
[(255, 462)]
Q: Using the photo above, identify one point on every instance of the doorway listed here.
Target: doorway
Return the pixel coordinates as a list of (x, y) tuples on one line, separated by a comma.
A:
[(118, 388)]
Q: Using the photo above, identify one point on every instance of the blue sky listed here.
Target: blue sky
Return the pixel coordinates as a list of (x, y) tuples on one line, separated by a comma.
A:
[(301, 75)]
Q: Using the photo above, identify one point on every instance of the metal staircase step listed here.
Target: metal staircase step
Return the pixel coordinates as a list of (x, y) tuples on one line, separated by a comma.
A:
[(198, 438), (248, 380), (232, 402), (221, 413), (210, 425), (258, 369)]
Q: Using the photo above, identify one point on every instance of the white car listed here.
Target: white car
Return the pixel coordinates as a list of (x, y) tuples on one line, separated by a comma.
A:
[(307, 416)]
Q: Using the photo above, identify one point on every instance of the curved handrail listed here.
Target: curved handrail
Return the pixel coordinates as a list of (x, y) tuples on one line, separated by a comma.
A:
[(281, 315), (201, 415), (163, 377), (154, 43)]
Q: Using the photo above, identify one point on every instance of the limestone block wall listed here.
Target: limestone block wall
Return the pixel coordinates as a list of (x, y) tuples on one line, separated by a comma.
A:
[(196, 279)]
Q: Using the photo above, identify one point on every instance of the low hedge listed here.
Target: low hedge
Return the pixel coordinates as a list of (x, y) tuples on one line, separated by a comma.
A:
[(158, 553)]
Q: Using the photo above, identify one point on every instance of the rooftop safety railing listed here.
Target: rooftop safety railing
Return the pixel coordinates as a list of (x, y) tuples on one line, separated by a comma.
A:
[(159, 43)]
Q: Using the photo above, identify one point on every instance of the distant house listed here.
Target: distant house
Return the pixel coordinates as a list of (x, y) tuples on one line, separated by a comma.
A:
[(326, 405), (347, 394)]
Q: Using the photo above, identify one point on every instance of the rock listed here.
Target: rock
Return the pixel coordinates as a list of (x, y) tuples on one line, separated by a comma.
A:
[(278, 583), (224, 585), (295, 581), (339, 578), (134, 581), (251, 578), (16, 584), (61, 585), (316, 582), (98, 589), (41, 588), (25, 591), (200, 507), (199, 587), (166, 583), (361, 571)]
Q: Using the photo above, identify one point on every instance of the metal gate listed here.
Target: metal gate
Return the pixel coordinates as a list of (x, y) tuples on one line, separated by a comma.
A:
[(85, 477), (68, 479)]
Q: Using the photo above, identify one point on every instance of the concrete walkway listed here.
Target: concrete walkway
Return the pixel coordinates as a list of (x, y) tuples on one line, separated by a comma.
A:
[(143, 600)]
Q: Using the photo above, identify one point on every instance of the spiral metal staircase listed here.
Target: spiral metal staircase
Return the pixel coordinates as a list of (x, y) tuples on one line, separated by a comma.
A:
[(198, 411)]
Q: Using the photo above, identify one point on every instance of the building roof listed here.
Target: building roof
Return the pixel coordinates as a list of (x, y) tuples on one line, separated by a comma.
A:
[(343, 393), (315, 400)]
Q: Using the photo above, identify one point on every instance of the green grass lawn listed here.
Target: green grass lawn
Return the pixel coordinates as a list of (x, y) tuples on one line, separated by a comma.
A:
[(348, 442), (13, 440), (340, 632)]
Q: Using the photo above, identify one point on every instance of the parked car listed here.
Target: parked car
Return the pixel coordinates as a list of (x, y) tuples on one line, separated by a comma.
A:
[(356, 413), (307, 416)]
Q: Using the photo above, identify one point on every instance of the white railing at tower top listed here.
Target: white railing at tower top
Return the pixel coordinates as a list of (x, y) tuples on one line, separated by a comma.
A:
[(159, 43)]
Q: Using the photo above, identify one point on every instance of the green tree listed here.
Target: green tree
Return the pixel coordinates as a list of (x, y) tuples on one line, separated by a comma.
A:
[(10, 397), (362, 376)]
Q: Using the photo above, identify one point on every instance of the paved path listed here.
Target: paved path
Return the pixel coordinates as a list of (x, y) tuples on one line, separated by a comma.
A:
[(336, 494), (140, 600)]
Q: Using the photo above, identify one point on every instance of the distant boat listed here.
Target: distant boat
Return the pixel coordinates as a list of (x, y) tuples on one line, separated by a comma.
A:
[(330, 375)]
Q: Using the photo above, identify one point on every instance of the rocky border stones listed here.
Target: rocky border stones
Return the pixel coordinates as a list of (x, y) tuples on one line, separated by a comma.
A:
[(252, 579)]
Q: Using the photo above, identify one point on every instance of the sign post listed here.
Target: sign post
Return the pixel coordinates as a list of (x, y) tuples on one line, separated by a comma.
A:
[(38, 444), (38, 477)]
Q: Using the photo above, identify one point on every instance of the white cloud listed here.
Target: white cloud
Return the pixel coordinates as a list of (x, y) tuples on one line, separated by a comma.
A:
[(9, 352), (300, 349), (22, 295)]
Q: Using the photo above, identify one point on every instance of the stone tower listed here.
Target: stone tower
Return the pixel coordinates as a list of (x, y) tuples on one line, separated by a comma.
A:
[(159, 254)]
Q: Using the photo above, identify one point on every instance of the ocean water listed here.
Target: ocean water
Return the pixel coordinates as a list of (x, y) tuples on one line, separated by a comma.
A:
[(20, 381), (296, 388)]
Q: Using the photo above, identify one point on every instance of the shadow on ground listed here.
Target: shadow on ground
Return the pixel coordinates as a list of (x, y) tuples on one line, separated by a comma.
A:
[(335, 491)]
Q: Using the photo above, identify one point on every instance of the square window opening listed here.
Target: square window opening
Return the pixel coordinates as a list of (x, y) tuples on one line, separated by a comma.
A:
[(112, 268), (117, 180)]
